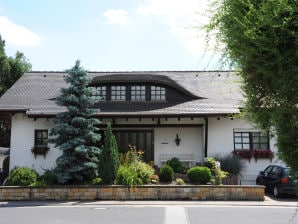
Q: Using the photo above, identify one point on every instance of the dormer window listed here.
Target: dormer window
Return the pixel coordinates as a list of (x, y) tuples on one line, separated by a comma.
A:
[(138, 93), (158, 93), (118, 93), (141, 92)]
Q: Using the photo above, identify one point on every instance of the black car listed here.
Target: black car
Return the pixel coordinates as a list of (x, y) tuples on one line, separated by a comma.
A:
[(277, 180)]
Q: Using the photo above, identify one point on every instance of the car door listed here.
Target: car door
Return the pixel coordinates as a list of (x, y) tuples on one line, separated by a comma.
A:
[(273, 177), (264, 175)]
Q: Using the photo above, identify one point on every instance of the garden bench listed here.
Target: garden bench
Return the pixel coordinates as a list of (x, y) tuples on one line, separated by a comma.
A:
[(184, 158)]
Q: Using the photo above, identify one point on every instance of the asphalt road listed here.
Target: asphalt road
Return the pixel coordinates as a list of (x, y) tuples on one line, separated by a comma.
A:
[(147, 213)]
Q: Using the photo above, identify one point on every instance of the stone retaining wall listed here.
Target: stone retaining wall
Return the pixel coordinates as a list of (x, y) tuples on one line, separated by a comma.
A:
[(150, 192)]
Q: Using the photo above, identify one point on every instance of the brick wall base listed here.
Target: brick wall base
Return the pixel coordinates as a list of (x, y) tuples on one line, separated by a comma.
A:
[(150, 192)]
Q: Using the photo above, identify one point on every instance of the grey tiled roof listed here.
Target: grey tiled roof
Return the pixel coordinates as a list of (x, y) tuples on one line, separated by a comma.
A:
[(216, 92)]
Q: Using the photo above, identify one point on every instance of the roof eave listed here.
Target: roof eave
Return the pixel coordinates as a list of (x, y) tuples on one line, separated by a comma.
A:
[(140, 115)]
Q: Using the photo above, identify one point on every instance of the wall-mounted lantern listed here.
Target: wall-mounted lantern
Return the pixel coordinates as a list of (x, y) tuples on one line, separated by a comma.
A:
[(177, 140)]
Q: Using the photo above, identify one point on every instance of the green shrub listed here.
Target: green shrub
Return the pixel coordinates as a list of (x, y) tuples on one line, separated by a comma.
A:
[(176, 165), (127, 175), (96, 181), (179, 181), (21, 176), (217, 173), (38, 183), (48, 177), (131, 156), (166, 173), (144, 171), (199, 174), (137, 173)]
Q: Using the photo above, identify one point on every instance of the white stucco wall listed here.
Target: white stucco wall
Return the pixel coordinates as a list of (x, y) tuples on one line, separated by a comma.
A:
[(22, 140), (191, 142), (220, 142)]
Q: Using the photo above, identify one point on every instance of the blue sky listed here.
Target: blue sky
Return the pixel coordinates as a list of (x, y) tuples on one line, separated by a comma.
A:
[(114, 35)]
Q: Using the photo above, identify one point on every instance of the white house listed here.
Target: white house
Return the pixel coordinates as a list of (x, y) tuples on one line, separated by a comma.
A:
[(188, 114)]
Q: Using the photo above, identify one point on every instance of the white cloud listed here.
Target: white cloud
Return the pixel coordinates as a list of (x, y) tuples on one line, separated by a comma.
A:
[(184, 19), (117, 16), (17, 35)]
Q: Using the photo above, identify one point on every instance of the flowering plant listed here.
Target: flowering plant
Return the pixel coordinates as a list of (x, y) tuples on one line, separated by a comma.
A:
[(257, 153), (261, 153), (244, 153), (154, 178), (217, 173)]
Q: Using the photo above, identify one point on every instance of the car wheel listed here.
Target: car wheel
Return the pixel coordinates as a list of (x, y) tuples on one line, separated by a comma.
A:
[(276, 192)]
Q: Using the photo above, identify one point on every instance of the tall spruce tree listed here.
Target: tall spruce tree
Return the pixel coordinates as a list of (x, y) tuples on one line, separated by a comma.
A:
[(74, 130), (109, 157)]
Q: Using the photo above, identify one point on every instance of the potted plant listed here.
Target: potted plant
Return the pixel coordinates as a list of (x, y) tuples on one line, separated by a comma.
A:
[(244, 153), (40, 150), (263, 154)]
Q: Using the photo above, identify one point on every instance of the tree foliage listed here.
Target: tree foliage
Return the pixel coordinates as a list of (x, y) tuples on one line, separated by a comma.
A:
[(74, 130), (109, 157), (260, 37), (11, 69)]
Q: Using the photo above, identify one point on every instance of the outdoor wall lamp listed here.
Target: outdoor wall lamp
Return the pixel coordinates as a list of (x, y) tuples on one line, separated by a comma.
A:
[(177, 140)]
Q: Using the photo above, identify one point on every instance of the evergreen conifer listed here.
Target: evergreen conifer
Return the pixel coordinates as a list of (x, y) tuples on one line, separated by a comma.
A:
[(74, 130), (109, 157)]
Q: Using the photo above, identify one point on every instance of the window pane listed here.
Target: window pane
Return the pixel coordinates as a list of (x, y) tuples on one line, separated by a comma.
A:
[(118, 93), (237, 134), (41, 138), (101, 91), (238, 146), (264, 146), (246, 146), (158, 93), (245, 140), (38, 134), (264, 139), (238, 140), (256, 146), (260, 140), (138, 93), (44, 134)]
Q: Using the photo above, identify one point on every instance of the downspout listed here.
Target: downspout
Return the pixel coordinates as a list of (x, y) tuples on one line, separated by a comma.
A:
[(206, 136)]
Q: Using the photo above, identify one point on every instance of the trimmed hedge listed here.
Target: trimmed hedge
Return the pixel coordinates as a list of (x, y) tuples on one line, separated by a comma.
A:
[(176, 164), (199, 174)]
